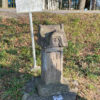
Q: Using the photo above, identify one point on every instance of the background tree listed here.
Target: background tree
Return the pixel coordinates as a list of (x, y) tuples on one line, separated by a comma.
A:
[(82, 4), (69, 3), (60, 4), (51, 4), (93, 4)]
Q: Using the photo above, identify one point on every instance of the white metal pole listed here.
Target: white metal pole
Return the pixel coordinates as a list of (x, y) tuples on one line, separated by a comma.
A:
[(32, 36)]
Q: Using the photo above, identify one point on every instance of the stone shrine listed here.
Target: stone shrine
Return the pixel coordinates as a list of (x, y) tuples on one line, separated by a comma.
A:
[(52, 39), (51, 85)]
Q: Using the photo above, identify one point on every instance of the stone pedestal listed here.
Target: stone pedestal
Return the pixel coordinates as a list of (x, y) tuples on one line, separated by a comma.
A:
[(51, 89), (4, 3), (52, 40), (52, 65), (51, 84)]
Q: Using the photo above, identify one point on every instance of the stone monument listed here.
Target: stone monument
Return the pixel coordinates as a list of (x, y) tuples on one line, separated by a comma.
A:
[(52, 39), (51, 85)]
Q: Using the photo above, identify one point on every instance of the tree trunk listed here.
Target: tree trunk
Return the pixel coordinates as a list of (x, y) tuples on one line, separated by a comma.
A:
[(60, 4), (90, 4), (93, 4), (82, 4), (4, 3), (69, 3), (45, 4), (52, 4), (0, 3)]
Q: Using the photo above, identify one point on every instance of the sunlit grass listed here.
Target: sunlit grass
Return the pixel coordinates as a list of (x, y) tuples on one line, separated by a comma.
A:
[(81, 57)]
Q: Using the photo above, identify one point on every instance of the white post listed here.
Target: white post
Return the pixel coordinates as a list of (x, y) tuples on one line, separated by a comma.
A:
[(32, 36)]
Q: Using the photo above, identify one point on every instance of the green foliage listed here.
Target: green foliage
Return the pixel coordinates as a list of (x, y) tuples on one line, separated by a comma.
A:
[(92, 58), (12, 21), (12, 51), (73, 49), (93, 76), (2, 26), (76, 63), (36, 22), (0, 19), (38, 54), (48, 22), (90, 86), (2, 54), (75, 21), (25, 53)]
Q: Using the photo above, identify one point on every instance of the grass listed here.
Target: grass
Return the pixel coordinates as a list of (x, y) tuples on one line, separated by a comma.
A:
[(81, 57)]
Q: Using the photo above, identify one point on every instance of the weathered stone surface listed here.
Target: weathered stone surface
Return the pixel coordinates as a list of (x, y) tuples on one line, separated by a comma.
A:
[(30, 86), (68, 96), (52, 36), (25, 96), (52, 39), (54, 89), (50, 89), (52, 65), (68, 92)]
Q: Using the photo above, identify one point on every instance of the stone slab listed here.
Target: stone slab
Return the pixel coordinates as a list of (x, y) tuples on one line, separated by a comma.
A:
[(54, 89), (31, 93), (68, 96)]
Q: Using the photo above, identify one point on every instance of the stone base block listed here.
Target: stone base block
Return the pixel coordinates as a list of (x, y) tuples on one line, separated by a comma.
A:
[(48, 92), (67, 96), (51, 89)]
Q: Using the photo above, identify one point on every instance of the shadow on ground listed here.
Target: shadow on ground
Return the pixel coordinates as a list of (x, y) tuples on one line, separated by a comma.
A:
[(12, 83)]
